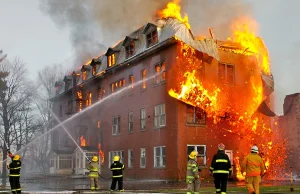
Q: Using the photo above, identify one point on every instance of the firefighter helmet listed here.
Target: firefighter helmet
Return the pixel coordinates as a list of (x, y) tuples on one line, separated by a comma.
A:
[(221, 146), (193, 155), (116, 158), (254, 149), (17, 157), (95, 159)]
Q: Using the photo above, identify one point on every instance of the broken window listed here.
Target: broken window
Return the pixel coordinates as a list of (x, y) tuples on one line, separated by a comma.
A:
[(201, 149), (152, 38), (116, 125), (143, 119), (117, 85), (144, 75), (130, 122), (101, 93), (130, 158), (160, 156), (143, 158), (88, 101), (160, 72), (159, 115), (226, 73), (111, 60), (83, 75), (131, 82), (94, 70), (130, 49), (195, 115)]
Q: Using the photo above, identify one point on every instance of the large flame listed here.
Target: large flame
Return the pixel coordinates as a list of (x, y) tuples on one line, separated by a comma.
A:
[(101, 153), (82, 141)]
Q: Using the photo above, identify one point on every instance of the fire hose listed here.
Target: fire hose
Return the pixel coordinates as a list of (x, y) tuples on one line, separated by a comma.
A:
[(98, 172)]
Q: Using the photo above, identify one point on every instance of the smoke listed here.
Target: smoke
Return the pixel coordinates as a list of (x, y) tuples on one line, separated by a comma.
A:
[(95, 25)]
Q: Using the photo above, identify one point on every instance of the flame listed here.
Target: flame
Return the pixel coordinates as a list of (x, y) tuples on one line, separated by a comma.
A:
[(101, 153), (238, 169), (82, 141), (173, 11)]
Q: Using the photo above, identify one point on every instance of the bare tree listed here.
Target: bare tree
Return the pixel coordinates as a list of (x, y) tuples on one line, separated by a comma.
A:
[(14, 94)]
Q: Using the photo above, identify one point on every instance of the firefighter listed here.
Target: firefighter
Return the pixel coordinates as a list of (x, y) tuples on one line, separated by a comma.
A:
[(93, 167), (254, 166), (221, 169), (117, 174), (14, 173), (192, 174)]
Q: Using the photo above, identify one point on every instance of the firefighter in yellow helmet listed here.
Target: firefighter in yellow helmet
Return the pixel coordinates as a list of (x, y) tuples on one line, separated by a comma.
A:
[(93, 167), (117, 174), (192, 174), (14, 173)]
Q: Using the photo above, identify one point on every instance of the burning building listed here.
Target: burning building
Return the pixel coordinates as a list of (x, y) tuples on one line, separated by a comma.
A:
[(159, 94)]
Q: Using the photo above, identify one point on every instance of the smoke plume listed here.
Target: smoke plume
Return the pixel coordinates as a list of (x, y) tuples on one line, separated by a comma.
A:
[(95, 25)]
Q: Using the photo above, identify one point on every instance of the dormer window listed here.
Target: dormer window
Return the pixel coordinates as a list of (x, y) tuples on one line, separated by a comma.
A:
[(111, 60), (83, 75), (129, 49), (151, 38)]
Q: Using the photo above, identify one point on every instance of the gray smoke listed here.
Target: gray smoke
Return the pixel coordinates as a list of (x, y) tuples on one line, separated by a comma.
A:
[(97, 24)]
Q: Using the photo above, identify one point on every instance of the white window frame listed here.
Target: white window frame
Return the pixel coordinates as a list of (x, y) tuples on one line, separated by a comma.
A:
[(130, 158), (143, 119), (65, 159), (160, 115), (161, 157), (194, 122), (160, 76), (130, 122), (116, 126), (112, 154), (200, 155), (143, 155), (226, 74)]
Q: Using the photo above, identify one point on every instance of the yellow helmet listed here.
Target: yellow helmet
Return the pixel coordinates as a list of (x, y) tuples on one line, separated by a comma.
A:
[(17, 157), (116, 158), (95, 159), (193, 155)]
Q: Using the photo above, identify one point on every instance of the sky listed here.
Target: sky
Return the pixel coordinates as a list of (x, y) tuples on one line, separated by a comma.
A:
[(30, 34)]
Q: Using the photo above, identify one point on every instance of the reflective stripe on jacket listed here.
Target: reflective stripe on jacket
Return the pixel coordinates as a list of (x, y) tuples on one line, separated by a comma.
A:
[(220, 163), (192, 170), (14, 168), (93, 168), (253, 164), (117, 169)]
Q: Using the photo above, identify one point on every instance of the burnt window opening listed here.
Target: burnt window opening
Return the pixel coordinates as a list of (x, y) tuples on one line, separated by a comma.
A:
[(152, 38), (83, 75), (69, 107), (94, 70), (226, 73), (111, 60), (79, 101), (101, 93), (116, 125), (160, 73), (88, 101), (144, 76), (195, 115), (130, 122), (118, 85), (129, 49), (131, 82)]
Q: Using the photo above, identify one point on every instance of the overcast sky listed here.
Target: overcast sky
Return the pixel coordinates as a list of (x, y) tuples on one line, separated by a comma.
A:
[(28, 33)]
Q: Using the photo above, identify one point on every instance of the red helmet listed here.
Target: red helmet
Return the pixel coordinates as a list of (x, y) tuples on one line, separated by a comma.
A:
[(221, 146)]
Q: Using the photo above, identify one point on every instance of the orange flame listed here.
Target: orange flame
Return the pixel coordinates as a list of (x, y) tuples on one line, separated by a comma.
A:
[(173, 11), (101, 153), (82, 141), (238, 169)]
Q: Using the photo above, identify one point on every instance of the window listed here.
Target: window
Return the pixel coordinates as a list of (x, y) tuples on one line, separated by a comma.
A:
[(160, 156), (131, 82), (84, 75), (226, 73), (52, 160), (129, 49), (144, 75), (94, 70), (116, 125), (65, 162), (152, 38), (117, 85), (88, 101), (143, 119), (70, 107), (201, 149), (101, 93), (159, 115), (130, 122), (195, 115), (160, 72), (143, 158), (130, 158), (112, 154), (111, 60)]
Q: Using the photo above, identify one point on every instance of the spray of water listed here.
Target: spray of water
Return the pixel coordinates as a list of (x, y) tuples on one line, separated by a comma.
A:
[(83, 111)]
